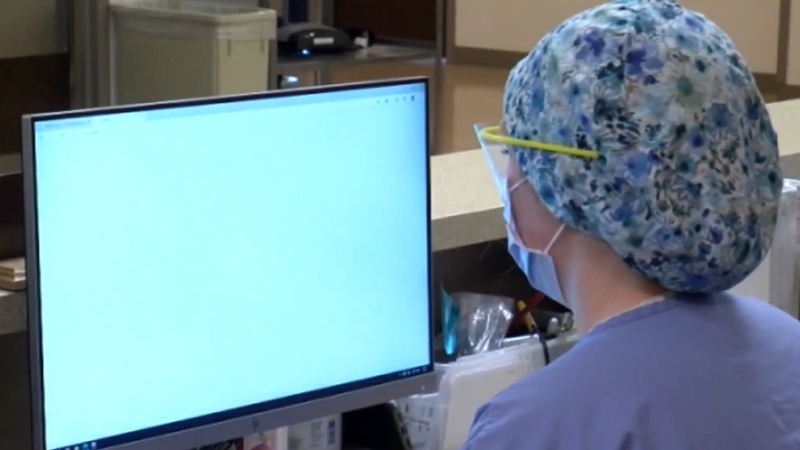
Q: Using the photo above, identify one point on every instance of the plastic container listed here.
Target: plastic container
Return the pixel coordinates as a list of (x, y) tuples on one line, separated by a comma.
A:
[(177, 49)]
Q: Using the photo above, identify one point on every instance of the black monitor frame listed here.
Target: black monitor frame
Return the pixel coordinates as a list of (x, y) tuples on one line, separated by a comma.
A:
[(242, 421)]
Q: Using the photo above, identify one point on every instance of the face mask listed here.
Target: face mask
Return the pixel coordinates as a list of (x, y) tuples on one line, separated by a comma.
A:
[(537, 265)]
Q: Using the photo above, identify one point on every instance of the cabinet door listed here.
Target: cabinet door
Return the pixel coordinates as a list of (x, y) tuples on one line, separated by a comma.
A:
[(34, 77), (396, 19), (34, 68), (30, 84)]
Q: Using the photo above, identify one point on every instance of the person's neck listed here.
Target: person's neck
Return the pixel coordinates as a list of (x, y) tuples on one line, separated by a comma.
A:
[(599, 286)]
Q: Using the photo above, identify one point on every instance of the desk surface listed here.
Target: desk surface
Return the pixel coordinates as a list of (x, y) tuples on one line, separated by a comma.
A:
[(466, 207)]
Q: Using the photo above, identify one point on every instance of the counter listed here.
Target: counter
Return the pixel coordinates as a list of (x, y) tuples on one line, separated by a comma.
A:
[(467, 209), (466, 206)]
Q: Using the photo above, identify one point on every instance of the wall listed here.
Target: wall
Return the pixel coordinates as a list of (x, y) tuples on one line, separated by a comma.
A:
[(515, 26), (510, 25), (740, 19), (793, 63), (28, 27)]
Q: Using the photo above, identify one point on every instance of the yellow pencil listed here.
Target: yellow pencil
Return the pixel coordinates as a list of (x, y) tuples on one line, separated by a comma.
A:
[(527, 319)]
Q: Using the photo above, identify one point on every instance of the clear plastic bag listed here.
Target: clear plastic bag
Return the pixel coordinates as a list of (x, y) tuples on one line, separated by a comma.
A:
[(481, 324)]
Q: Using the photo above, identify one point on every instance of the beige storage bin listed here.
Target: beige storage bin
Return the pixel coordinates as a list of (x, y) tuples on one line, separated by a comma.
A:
[(177, 49)]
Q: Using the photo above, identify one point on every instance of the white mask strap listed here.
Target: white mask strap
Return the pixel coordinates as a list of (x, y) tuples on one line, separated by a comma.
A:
[(553, 241), (517, 184)]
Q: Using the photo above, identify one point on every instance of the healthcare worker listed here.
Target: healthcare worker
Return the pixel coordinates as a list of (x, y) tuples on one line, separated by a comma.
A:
[(642, 183)]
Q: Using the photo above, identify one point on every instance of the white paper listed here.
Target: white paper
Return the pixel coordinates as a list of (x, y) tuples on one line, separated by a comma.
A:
[(423, 419)]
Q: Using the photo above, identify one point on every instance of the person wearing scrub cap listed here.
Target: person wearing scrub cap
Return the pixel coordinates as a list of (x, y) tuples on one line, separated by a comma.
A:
[(640, 178)]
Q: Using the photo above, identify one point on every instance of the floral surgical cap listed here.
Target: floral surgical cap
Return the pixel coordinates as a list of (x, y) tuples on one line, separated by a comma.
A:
[(687, 185)]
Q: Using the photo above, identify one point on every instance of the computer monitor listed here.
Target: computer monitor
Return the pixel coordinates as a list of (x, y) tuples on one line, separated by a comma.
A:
[(201, 270)]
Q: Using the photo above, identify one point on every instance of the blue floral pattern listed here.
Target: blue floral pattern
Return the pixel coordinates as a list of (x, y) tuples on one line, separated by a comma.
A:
[(688, 182)]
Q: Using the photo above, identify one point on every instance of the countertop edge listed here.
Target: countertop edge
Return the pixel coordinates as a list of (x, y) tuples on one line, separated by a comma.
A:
[(467, 229)]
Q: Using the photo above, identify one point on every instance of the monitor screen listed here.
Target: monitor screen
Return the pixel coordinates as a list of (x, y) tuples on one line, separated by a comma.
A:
[(196, 262)]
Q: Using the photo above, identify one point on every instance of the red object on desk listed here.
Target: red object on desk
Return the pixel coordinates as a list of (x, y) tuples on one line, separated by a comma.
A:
[(530, 305)]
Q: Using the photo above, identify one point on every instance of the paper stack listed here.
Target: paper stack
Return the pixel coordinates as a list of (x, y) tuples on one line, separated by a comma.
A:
[(12, 274)]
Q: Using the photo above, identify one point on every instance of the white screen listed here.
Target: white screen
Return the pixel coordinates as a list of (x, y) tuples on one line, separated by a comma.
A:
[(204, 258)]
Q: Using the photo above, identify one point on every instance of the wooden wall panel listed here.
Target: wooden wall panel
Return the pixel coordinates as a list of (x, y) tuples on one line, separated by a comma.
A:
[(30, 84), (396, 19)]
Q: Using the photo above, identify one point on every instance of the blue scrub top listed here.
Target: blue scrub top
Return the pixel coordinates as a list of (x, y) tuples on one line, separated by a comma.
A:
[(691, 372)]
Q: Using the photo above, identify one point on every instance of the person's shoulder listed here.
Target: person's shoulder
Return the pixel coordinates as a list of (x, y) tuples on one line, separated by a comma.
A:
[(543, 408), (757, 310), (524, 413)]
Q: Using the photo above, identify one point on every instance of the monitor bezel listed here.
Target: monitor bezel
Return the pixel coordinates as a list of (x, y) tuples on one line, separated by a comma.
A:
[(243, 421)]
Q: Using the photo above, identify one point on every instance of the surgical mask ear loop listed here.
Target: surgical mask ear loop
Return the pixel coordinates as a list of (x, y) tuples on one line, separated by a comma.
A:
[(558, 232), (517, 184), (553, 241)]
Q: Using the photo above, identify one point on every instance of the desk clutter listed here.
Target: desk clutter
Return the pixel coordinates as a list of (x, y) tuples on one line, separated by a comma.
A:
[(324, 433), (487, 342), (12, 274), (441, 421), (379, 427)]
